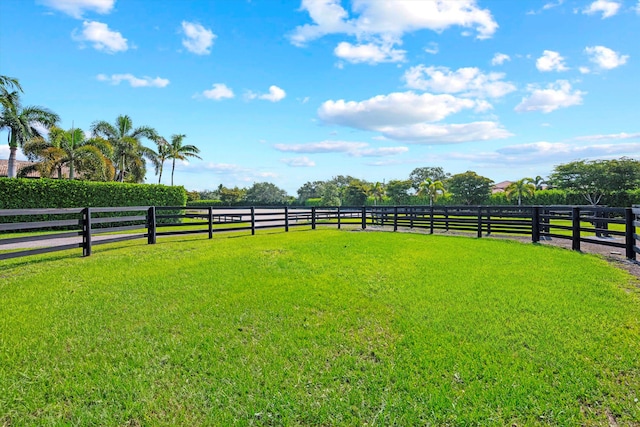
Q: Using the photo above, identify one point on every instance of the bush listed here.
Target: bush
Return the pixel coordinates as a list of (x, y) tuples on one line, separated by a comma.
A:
[(205, 203)]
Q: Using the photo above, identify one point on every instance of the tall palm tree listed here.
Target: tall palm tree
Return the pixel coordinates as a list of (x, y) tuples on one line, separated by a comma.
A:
[(377, 191), (163, 154), (22, 123), (539, 182), (128, 152), (181, 152), (7, 83), (90, 157), (521, 187), (432, 189)]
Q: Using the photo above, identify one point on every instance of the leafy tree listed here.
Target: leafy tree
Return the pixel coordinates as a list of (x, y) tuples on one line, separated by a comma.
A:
[(594, 179), (539, 183), (177, 151), (22, 123), (193, 196), (431, 189), (522, 187), (330, 195), (265, 193), (128, 151), (90, 157), (310, 190), (419, 175), (469, 188), (231, 196), (356, 193), (398, 190)]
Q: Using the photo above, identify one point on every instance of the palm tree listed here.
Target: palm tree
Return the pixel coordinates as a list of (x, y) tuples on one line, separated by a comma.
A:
[(128, 152), (9, 82), (90, 157), (432, 189), (539, 182), (522, 187), (163, 154), (22, 123), (177, 151), (377, 191)]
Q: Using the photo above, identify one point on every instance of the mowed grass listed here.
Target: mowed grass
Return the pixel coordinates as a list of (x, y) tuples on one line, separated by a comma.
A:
[(320, 327)]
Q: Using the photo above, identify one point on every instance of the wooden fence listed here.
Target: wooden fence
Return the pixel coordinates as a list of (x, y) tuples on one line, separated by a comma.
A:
[(84, 228)]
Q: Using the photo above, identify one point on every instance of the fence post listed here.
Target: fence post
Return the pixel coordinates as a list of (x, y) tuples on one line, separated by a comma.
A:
[(210, 222), (488, 221), (364, 217), (535, 224), (411, 215), (338, 217), (151, 225), (575, 228), (86, 232), (286, 218), (253, 220), (431, 219), (446, 218), (395, 218), (313, 217), (630, 240), (479, 221)]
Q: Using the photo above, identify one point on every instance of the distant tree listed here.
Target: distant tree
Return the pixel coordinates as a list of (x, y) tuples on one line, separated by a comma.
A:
[(539, 183), (177, 151), (310, 190), (22, 123), (162, 155), (469, 188), (377, 191), (331, 195), (87, 156), (431, 190), (594, 179), (193, 196), (521, 188), (419, 175), (356, 193), (265, 193), (128, 151), (398, 190), (209, 194), (231, 196)]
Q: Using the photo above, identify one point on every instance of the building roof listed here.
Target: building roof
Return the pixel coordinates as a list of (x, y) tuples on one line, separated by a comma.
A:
[(4, 169), (501, 186)]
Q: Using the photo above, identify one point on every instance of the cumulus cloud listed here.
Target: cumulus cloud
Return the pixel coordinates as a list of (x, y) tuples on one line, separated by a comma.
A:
[(134, 81), (369, 53), (198, 39), (607, 8), (229, 173), (77, 8), (555, 95), (351, 148), (500, 58), (436, 134), (379, 25), (218, 92), (469, 81), (299, 162), (605, 58), (275, 94), (101, 37), (550, 61)]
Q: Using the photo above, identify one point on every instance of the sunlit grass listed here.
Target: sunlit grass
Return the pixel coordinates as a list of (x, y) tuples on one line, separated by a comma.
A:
[(318, 328)]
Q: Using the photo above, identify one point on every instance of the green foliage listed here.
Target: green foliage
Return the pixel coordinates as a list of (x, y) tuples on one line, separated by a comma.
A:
[(192, 196), (314, 201), (53, 193), (355, 194), (205, 203), (398, 191), (266, 194), (469, 188), (330, 195), (231, 196), (419, 175), (310, 190)]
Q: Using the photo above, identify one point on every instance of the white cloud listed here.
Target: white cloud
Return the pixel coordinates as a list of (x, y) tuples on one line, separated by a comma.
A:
[(584, 70), (299, 162), (351, 148), (381, 152), (638, 8), (198, 39), (556, 95), (218, 92), (77, 8), (5, 151), (437, 134), (432, 48), (500, 58), (550, 61), (230, 174), (608, 137), (468, 81), (369, 53), (606, 7), (605, 58), (101, 37), (275, 94), (134, 81)]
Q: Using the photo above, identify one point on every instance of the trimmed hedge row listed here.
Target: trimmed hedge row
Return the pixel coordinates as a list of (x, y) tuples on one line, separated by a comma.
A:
[(53, 193), (205, 203)]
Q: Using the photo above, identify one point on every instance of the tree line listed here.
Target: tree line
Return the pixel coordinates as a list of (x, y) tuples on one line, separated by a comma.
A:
[(108, 152)]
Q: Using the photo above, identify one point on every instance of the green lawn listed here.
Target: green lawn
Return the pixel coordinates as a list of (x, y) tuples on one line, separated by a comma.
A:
[(319, 327)]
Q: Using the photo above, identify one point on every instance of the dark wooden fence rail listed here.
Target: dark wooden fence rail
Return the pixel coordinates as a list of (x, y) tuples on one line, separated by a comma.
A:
[(86, 227)]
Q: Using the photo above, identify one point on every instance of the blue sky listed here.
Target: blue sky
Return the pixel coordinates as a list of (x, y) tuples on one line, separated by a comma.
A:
[(295, 91)]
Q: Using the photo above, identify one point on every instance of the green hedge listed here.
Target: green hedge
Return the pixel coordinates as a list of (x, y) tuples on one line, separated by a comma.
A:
[(53, 193), (205, 203)]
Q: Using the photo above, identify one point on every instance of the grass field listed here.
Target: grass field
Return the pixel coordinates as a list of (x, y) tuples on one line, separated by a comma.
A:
[(319, 327)]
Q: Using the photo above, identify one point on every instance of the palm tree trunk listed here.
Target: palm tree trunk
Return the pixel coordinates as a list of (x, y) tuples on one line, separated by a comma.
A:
[(173, 168), (12, 172), (71, 170), (160, 176)]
